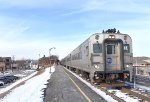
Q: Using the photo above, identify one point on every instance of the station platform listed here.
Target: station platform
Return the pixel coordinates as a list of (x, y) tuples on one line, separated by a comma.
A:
[(61, 89), (64, 87)]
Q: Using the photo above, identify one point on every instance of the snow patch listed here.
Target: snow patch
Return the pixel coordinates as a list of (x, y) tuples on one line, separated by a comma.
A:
[(98, 91), (123, 96), (31, 91)]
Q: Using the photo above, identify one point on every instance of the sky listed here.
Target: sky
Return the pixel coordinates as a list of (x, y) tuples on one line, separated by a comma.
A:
[(29, 28)]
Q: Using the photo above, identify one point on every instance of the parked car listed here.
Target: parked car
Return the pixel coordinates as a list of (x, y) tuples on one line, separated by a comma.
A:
[(8, 79), (12, 77), (5, 80)]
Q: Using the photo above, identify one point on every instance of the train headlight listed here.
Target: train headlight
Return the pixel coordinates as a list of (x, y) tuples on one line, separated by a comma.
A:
[(127, 66), (111, 36), (97, 37), (96, 66)]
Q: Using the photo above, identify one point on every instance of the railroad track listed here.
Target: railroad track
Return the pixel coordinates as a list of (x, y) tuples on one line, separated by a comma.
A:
[(137, 93), (141, 95), (133, 93), (143, 80)]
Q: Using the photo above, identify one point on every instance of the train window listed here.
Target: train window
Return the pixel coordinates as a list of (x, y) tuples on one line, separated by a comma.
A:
[(97, 48), (110, 49), (126, 48), (77, 56), (87, 50)]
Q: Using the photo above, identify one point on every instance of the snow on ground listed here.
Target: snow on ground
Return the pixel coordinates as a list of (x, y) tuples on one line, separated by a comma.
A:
[(16, 72), (31, 91), (139, 86), (16, 83), (108, 98), (124, 96), (142, 87), (98, 91)]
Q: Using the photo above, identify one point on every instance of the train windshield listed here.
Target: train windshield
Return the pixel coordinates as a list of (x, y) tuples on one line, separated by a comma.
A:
[(97, 48), (126, 48), (110, 49)]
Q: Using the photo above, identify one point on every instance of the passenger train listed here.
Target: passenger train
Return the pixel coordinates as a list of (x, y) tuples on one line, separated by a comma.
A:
[(102, 57)]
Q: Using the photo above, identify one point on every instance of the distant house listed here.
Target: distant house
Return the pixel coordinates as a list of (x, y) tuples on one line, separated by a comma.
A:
[(44, 62), (148, 71), (142, 64), (22, 64), (148, 67), (34, 64), (15, 65), (8, 62), (28, 64), (47, 61), (2, 65)]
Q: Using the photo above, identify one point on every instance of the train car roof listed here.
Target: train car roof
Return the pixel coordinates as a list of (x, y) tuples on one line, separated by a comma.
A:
[(94, 35)]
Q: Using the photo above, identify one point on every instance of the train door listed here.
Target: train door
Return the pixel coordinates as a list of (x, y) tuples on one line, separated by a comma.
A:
[(113, 56)]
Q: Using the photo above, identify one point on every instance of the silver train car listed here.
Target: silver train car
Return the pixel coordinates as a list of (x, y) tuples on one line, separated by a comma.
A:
[(103, 56)]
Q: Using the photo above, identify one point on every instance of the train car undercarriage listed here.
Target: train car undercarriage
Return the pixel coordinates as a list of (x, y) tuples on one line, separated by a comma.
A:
[(102, 77), (111, 76)]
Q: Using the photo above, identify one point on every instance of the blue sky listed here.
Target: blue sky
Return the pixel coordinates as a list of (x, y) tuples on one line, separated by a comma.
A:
[(30, 27)]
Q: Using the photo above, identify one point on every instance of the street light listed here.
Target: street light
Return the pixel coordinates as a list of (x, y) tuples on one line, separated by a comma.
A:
[(13, 58), (38, 62), (50, 56)]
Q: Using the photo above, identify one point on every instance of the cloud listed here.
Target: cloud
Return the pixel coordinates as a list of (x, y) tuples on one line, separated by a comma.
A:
[(130, 6), (120, 6), (33, 48), (13, 33), (23, 3), (79, 6), (28, 36), (13, 27), (32, 3)]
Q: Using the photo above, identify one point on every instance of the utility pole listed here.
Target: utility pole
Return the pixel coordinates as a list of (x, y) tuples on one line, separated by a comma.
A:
[(50, 57)]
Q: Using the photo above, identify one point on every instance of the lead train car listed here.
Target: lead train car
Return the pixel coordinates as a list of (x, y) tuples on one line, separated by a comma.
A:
[(103, 56)]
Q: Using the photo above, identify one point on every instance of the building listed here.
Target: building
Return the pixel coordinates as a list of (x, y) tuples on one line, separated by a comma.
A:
[(2, 65), (8, 62), (142, 65), (148, 71), (5, 63), (22, 64), (47, 61), (34, 64)]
